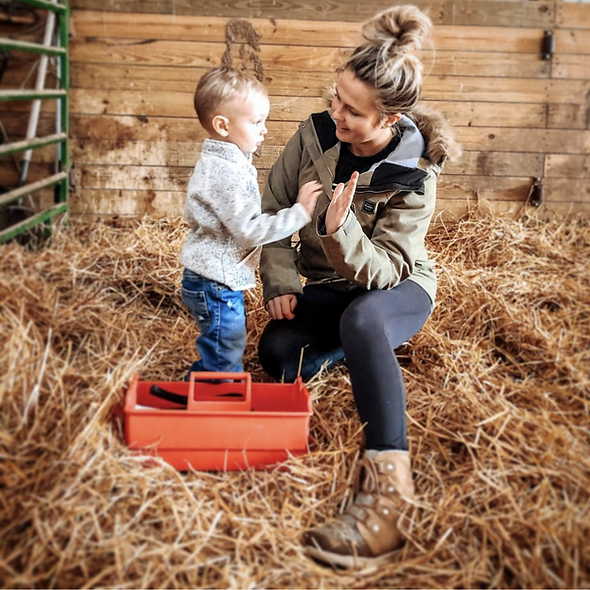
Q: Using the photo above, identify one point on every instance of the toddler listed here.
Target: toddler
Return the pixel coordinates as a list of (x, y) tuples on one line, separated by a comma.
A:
[(227, 228)]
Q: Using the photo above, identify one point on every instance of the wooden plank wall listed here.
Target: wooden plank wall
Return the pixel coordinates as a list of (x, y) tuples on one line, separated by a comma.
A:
[(135, 64)]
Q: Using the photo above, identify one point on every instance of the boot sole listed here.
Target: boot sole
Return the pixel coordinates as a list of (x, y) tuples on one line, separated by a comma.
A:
[(349, 561)]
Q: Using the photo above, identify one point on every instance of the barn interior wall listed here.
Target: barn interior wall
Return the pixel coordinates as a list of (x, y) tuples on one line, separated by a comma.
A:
[(135, 64)]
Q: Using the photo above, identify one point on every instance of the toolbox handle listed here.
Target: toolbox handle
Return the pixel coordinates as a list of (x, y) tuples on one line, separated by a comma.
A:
[(228, 383)]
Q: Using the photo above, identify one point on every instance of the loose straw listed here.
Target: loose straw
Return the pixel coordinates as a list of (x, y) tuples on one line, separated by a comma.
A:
[(498, 415)]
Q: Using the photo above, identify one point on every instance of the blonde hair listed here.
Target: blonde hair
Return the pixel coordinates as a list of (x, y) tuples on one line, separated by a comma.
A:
[(386, 60), (220, 85)]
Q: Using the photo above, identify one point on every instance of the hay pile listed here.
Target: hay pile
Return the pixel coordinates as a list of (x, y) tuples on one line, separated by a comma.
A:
[(499, 424)]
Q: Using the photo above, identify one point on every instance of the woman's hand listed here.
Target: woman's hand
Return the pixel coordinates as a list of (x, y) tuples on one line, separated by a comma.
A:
[(282, 307), (340, 204)]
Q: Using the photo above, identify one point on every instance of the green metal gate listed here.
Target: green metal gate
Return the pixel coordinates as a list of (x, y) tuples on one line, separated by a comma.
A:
[(60, 179)]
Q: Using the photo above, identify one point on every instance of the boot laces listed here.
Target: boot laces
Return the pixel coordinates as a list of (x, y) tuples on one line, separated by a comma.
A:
[(366, 477), (366, 483)]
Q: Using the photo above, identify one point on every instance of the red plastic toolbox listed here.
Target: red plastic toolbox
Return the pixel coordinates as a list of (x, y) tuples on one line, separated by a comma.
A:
[(228, 422)]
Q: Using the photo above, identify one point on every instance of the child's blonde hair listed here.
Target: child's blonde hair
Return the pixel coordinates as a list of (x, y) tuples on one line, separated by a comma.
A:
[(220, 85), (386, 60)]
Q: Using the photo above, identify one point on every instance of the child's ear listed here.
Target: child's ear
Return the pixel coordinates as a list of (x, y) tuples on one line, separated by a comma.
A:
[(220, 125)]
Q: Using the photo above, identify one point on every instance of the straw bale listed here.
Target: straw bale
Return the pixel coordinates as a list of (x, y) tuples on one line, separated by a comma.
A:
[(498, 388)]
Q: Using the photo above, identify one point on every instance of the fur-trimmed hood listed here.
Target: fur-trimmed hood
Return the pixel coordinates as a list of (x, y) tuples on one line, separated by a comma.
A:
[(438, 134)]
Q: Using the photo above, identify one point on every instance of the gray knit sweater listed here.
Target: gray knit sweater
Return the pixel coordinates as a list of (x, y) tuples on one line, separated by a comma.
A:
[(227, 226)]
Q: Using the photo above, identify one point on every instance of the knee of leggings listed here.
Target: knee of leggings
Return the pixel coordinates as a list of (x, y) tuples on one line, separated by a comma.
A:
[(359, 320), (274, 357)]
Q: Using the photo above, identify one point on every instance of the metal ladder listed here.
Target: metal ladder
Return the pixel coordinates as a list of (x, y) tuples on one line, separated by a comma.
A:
[(60, 179)]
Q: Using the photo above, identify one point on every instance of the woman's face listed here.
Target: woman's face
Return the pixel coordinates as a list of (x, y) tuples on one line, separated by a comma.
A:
[(358, 122)]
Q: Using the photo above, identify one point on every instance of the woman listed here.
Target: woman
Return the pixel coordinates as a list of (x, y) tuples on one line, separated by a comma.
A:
[(370, 286)]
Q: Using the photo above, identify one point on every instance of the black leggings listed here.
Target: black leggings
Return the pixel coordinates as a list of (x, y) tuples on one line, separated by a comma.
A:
[(364, 327)]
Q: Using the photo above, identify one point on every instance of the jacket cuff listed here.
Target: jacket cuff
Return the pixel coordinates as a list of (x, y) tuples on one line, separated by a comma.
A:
[(344, 229), (336, 245), (282, 290)]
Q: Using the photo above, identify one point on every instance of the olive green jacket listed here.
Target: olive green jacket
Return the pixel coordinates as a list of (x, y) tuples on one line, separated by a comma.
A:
[(381, 242)]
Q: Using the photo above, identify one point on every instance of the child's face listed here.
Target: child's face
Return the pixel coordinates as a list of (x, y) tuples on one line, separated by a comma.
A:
[(245, 121)]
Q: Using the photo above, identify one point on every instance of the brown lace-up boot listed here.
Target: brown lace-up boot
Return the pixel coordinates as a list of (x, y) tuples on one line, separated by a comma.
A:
[(367, 533)]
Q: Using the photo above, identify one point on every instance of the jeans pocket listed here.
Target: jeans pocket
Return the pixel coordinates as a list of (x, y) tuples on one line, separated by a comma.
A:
[(196, 301)]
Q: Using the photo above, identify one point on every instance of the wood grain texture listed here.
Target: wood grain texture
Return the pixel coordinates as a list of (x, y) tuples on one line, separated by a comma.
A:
[(492, 139), (567, 166), (152, 106), (169, 166), (156, 179), (449, 12), (571, 66), (293, 32), (572, 40), (568, 116), (109, 203), (135, 65), (277, 58), (571, 15), (525, 140)]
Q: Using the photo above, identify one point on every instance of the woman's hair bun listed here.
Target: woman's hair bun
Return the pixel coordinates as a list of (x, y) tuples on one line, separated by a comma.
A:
[(398, 29)]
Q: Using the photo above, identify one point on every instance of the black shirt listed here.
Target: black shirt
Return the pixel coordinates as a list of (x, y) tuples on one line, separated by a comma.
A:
[(348, 162)]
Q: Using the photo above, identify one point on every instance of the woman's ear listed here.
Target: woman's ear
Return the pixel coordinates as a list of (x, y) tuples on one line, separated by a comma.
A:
[(391, 119), (220, 125)]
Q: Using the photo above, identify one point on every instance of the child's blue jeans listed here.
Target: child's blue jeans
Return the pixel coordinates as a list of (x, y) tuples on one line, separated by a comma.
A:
[(221, 317)]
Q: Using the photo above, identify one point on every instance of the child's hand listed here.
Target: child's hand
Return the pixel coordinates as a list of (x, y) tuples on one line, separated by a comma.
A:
[(309, 194), (340, 204)]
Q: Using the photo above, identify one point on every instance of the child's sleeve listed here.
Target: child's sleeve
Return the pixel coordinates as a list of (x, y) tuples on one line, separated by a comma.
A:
[(236, 201)]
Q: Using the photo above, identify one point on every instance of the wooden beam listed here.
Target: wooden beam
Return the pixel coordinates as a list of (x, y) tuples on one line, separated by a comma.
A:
[(451, 211), (568, 116), (572, 41), (136, 203), (158, 170), (567, 166), (154, 128), (168, 178), (300, 59), (282, 83), (571, 66), (570, 15), (479, 163), (184, 79), (483, 187), (452, 88), (140, 128), (567, 189), (293, 33), (169, 151), (451, 12), (174, 104), (525, 140), (143, 107)]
